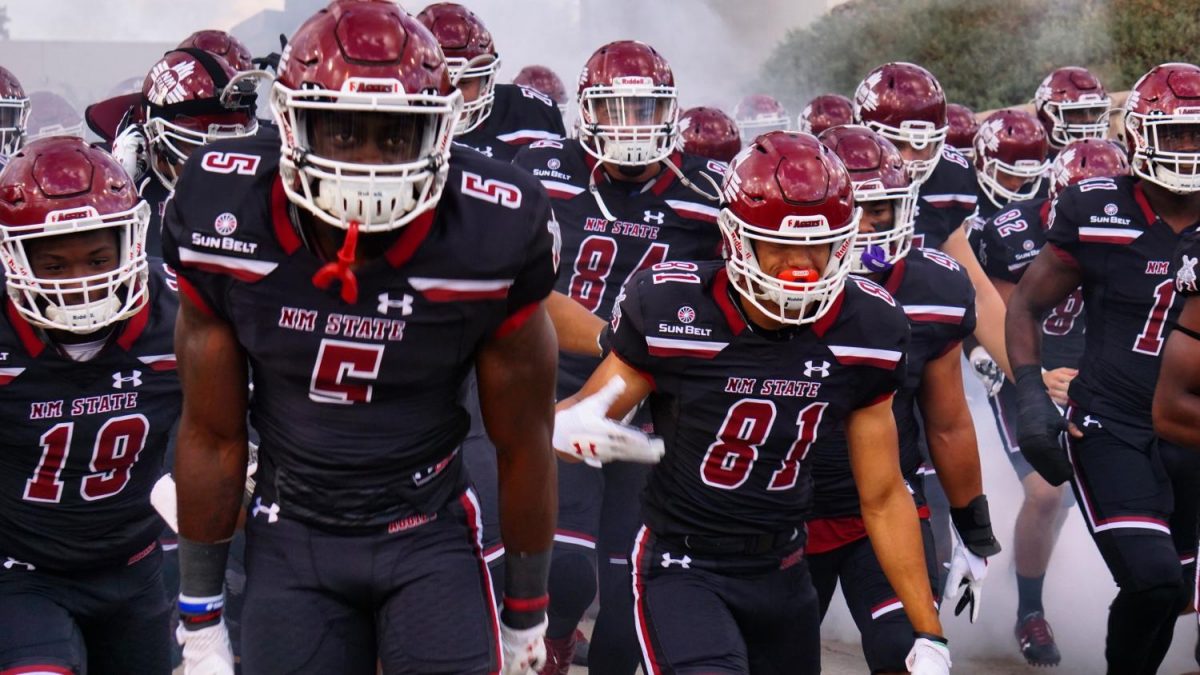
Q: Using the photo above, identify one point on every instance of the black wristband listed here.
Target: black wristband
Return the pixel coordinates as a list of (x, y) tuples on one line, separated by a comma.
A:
[(1026, 373), (201, 582), (931, 637), (974, 525), (526, 577)]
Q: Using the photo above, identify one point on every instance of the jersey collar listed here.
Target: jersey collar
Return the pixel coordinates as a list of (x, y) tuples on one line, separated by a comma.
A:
[(1139, 196), (129, 332), (896, 275)]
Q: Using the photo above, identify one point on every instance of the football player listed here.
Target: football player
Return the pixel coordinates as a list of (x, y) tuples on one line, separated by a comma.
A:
[(825, 111), (1115, 238), (498, 119), (1071, 104), (1175, 395), (14, 114), (355, 276), (88, 394), (963, 126), (758, 114), (745, 363), (709, 132), (189, 98), (626, 199), (1005, 245), (545, 81), (938, 299)]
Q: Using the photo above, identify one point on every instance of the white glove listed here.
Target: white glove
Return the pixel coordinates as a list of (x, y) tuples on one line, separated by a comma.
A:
[(987, 371), (162, 497), (585, 430), (130, 149), (967, 572), (524, 649), (206, 651), (928, 657)]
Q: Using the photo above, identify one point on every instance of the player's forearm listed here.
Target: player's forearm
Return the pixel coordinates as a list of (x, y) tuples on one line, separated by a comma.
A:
[(1023, 335), (578, 330), (1176, 406), (210, 478), (895, 532), (989, 306), (955, 455)]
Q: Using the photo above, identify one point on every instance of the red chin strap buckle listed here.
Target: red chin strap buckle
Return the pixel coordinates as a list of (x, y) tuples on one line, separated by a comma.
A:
[(797, 277), (339, 270)]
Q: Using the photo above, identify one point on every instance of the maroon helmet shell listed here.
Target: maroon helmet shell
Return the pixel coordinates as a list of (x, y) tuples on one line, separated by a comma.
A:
[(1167, 96), (709, 132), (543, 80), (1010, 142), (1084, 159), (866, 155), (896, 93), (458, 30), (788, 174), (62, 173), (624, 60), (218, 42), (825, 111), (963, 126)]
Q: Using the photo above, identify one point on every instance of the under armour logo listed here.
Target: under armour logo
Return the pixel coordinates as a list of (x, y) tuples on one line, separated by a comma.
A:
[(685, 562), (3, 356), (590, 452), (404, 304), (272, 510), (119, 379), (656, 217), (11, 563), (811, 368), (1089, 421)]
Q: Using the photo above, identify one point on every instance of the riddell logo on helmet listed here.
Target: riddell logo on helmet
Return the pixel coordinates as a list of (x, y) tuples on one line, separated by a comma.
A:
[(72, 214), (632, 81), (372, 85)]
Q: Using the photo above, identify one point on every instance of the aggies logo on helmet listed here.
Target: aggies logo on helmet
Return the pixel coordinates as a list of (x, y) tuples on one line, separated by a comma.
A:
[(989, 134), (168, 80), (865, 97)]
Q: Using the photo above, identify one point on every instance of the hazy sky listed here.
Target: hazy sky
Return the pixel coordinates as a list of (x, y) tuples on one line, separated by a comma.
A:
[(132, 20)]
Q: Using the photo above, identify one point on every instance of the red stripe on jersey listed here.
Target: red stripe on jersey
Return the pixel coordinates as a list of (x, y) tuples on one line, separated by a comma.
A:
[(410, 239), (555, 193), (639, 601), (665, 175), (827, 320), (189, 291), (1139, 196), (830, 534), (853, 360), (720, 293), (44, 668), (235, 272), (134, 326), (923, 317), (878, 399), (443, 294), (1063, 255), (285, 232), (474, 525), (515, 320), (29, 338), (892, 283), (1044, 213), (667, 352), (949, 348)]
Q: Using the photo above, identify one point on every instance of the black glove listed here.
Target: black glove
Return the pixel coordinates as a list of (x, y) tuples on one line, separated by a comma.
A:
[(1039, 425), (271, 60)]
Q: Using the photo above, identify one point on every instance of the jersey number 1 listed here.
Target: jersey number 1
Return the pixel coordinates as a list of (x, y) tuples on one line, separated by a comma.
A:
[(1150, 340)]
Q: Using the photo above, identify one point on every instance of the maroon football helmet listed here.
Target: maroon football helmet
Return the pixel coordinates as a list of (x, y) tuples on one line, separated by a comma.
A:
[(470, 54), (1084, 159), (544, 81), (191, 98), (1162, 122), (1013, 143), (628, 109), (60, 186), (906, 104), (963, 127), (368, 67), (52, 115), (825, 111), (224, 45), (1072, 104), (788, 188), (709, 132), (14, 112), (758, 114), (877, 173)]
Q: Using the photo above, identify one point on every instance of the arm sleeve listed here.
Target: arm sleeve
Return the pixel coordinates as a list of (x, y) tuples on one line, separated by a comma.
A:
[(534, 282), (1063, 223), (626, 332), (877, 382), (205, 289)]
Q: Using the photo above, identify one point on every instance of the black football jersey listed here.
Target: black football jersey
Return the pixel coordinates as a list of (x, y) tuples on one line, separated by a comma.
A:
[(739, 408), (945, 200), (519, 116), (155, 193), (1005, 245), (1123, 251), (939, 301), (357, 404), (656, 221), (83, 442)]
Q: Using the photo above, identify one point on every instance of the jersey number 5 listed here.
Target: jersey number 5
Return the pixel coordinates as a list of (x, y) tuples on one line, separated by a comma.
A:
[(339, 364), (731, 458), (117, 446)]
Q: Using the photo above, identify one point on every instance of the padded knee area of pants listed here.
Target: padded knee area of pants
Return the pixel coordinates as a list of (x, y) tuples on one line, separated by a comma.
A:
[(886, 647), (1151, 603), (572, 590)]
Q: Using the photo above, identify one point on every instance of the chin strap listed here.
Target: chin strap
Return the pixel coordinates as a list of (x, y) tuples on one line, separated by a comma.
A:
[(716, 194), (592, 188), (339, 270)]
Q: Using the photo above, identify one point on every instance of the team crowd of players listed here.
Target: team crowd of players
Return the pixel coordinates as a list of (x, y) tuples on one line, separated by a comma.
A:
[(413, 374)]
